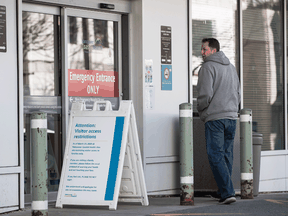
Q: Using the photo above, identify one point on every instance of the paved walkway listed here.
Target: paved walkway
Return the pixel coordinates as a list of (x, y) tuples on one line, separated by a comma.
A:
[(265, 204)]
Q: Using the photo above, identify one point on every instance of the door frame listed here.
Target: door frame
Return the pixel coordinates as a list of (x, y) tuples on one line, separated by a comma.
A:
[(65, 12), (35, 8)]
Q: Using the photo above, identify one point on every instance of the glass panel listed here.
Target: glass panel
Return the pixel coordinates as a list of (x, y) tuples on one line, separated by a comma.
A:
[(40, 72), (42, 89), (263, 69), (91, 44), (213, 18), (93, 60), (54, 152)]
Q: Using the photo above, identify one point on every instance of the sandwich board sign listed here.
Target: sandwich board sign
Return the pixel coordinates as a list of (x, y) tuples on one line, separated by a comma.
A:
[(102, 162)]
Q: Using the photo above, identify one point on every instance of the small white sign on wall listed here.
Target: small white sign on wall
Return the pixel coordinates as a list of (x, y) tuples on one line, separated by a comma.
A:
[(96, 152), (149, 86)]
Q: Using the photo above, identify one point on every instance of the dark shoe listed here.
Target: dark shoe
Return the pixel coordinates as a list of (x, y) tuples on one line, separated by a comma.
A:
[(215, 197), (227, 200)]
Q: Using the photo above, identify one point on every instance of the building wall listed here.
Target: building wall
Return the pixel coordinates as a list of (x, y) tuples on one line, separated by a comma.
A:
[(160, 123), (157, 127), (136, 64)]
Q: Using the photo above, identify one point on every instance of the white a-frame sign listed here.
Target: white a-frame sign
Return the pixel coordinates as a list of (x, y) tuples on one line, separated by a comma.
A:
[(102, 162)]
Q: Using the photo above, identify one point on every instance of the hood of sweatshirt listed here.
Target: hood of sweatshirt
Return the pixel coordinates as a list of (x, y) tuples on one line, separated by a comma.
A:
[(218, 57)]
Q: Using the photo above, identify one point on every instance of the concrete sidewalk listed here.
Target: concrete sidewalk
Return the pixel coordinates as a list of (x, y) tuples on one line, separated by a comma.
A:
[(277, 204)]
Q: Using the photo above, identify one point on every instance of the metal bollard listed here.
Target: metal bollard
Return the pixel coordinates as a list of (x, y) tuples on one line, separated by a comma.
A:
[(186, 155), (39, 162), (246, 154)]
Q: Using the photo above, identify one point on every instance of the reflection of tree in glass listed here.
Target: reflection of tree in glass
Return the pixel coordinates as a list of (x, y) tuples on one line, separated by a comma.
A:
[(38, 53), (38, 35), (73, 29), (91, 46), (101, 32), (85, 29)]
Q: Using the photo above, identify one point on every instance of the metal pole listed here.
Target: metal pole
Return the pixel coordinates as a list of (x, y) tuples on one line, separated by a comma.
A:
[(186, 155), (285, 68), (240, 41), (39, 164), (246, 154)]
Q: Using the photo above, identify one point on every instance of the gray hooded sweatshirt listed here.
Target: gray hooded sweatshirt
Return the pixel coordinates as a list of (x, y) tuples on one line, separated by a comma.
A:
[(218, 89)]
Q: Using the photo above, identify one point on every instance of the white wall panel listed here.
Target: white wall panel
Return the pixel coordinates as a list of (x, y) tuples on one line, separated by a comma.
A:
[(160, 124), (272, 177), (8, 91), (162, 182), (9, 190), (272, 185), (162, 134), (136, 64)]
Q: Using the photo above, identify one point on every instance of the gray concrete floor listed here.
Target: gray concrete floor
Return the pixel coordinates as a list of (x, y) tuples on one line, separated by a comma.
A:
[(264, 204)]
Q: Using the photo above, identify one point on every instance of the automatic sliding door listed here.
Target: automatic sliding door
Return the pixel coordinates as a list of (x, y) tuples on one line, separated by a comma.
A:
[(42, 88), (92, 71), (93, 57)]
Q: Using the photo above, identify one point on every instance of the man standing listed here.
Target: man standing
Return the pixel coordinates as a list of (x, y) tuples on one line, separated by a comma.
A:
[(217, 103)]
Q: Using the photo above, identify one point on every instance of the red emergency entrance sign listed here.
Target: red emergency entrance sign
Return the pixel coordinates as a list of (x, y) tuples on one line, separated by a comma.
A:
[(92, 83)]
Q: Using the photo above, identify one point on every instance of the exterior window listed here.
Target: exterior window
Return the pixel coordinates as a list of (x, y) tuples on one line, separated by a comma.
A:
[(218, 19), (263, 69)]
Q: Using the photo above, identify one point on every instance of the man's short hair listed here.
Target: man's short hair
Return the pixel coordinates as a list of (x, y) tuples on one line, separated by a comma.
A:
[(213, 43)]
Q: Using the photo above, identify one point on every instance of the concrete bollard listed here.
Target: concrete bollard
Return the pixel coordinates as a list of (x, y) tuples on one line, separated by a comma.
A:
[(246, 154), (186, 155), (39, 163)]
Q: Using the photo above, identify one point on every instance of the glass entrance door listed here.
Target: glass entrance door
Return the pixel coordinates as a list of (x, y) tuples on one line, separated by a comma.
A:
[(93, 60), (42, 85)]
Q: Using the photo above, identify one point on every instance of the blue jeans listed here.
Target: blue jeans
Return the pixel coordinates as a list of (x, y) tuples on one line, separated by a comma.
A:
[(219, 136)]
